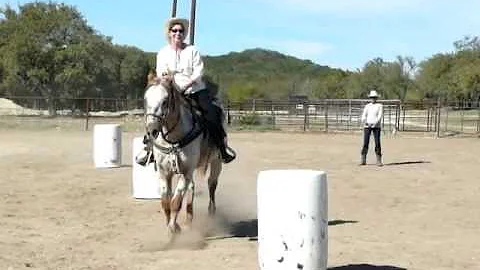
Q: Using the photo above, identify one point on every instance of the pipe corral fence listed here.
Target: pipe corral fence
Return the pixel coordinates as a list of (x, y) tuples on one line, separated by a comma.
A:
[(327, 115)]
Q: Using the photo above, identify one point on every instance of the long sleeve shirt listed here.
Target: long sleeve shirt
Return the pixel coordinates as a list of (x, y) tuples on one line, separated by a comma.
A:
[(372, 114), (186, 64)]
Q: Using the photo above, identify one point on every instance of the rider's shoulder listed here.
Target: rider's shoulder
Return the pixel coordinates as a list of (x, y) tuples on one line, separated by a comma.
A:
[(192, 48), (164, 49)]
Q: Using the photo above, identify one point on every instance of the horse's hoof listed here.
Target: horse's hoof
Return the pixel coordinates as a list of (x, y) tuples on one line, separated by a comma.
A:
[(175, 229)]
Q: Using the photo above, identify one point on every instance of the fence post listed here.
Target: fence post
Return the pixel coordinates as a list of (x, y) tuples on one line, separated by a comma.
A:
[(349, 113), (305, 117), (397, 117), (273, 115), (229, 120), (87, 109), (428, 118), (478, 119), (326, 116), (462, 113), (437, 122), (446, 118), (390, 117)]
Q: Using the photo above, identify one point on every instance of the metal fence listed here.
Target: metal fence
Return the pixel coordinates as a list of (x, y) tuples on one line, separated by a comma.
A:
[(329, 115)]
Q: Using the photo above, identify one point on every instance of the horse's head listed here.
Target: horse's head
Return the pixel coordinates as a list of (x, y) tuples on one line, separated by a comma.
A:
[(161, 108)]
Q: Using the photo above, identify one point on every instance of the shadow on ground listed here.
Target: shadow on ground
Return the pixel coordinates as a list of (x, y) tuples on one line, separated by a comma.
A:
[(249, 229), (366, 267), (406, 163)]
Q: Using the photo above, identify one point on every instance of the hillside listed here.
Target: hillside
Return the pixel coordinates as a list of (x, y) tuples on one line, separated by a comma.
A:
[(261, 62), (261, 73)]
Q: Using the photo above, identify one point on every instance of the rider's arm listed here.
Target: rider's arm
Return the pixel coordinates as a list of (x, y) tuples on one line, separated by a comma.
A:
[(197, 66), (162, 63)]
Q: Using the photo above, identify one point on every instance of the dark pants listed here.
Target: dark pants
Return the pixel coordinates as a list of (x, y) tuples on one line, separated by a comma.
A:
[(212, 114), (366, 140)]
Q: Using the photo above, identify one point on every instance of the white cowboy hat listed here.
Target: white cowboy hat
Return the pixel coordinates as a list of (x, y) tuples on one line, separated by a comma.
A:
[(172, 21), (373, 94)]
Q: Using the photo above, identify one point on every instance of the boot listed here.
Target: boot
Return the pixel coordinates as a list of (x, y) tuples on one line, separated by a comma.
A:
[(363, 160), (226, 157), (379, 160), (143, 157), (145, 154)]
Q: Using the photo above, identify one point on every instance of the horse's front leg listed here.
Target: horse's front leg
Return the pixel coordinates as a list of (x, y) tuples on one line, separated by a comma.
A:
[(189, 206), (176, 202), (165, 194)]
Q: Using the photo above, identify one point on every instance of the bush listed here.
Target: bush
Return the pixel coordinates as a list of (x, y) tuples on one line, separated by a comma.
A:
[(253, 119)]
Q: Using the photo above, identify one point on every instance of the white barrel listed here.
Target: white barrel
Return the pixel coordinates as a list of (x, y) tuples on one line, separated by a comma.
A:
[(292, 210), (107, 146), (145, 183)]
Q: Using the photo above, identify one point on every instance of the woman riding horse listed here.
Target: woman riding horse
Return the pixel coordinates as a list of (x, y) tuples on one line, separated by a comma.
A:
[(182, 64)]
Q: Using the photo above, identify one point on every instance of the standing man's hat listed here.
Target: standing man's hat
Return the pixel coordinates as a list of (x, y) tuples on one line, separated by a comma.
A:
[(172, 21), (373, 94)]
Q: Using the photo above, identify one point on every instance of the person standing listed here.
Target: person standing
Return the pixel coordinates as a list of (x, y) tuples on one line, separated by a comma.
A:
[(371, 119)]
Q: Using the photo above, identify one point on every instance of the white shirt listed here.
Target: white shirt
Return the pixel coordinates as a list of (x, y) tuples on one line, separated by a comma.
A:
[(187, 65), (372, 114)]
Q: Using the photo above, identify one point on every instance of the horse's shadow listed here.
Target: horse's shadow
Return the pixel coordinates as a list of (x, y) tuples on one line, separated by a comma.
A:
[(366, 267)]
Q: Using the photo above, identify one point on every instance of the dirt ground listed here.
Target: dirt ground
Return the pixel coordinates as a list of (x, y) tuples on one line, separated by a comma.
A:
[(420, 211)]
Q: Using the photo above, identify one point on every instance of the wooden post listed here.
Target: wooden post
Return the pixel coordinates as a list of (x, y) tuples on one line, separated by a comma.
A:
[(273, 115), (437, 123), (326, 116), (478, 119), (349, 113), (462, 114), (446, 118), (229, 119), (305, 119), (87, 114)]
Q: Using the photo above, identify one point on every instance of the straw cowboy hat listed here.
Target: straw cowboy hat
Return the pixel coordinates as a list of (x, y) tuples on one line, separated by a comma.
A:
[(172, 21), (373, 94)]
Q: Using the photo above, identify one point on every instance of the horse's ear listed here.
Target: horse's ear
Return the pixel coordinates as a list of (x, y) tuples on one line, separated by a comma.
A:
[(151, 78)]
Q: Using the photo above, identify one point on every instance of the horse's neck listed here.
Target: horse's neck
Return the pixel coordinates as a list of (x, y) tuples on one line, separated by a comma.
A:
[(185, 121)]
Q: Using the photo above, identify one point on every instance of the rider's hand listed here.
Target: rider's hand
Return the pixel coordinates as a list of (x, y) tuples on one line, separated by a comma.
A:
[(187, 86)]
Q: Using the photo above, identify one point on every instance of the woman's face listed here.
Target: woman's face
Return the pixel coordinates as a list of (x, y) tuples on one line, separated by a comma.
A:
[(177, 34)]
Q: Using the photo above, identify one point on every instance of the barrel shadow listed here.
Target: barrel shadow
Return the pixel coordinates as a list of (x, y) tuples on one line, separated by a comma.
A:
[(249, 229), (366, 267)]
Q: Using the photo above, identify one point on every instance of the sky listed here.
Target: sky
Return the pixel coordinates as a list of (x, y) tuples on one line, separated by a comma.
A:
[(338, 33)]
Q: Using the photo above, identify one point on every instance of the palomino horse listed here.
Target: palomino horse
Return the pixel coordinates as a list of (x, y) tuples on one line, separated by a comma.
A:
[(181, 149)]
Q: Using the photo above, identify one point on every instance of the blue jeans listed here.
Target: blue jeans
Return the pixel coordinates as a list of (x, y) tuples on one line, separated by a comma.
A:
[(366, 140)]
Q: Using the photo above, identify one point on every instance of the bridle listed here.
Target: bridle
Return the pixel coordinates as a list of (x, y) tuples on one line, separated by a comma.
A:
[(165, 129)]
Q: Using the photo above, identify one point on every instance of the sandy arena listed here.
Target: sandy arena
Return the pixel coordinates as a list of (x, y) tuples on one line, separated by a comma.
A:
[(420, 211)]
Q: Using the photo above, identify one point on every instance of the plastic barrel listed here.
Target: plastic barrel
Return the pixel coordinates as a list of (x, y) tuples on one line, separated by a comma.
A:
[(292, 209)]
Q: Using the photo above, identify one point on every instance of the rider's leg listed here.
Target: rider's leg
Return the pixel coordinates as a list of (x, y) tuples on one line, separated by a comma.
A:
[(213, 122), (146, 153)]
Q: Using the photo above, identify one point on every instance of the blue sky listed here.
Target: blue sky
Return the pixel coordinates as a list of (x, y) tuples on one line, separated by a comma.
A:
[(338, 33)]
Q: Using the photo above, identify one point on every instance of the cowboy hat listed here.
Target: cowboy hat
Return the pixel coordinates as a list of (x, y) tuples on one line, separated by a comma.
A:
[(373, 94), (172, 21)]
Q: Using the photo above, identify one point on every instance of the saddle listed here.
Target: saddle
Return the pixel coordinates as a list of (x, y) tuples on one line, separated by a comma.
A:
[(213, 129)]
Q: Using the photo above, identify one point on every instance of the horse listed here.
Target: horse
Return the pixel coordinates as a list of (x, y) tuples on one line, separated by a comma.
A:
[(181, 149)]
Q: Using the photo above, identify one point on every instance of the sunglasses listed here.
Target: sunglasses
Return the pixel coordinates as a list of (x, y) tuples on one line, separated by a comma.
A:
[(176, 30)]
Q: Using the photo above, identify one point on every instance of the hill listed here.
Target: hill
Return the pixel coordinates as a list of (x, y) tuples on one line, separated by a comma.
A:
[(262, 73)]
